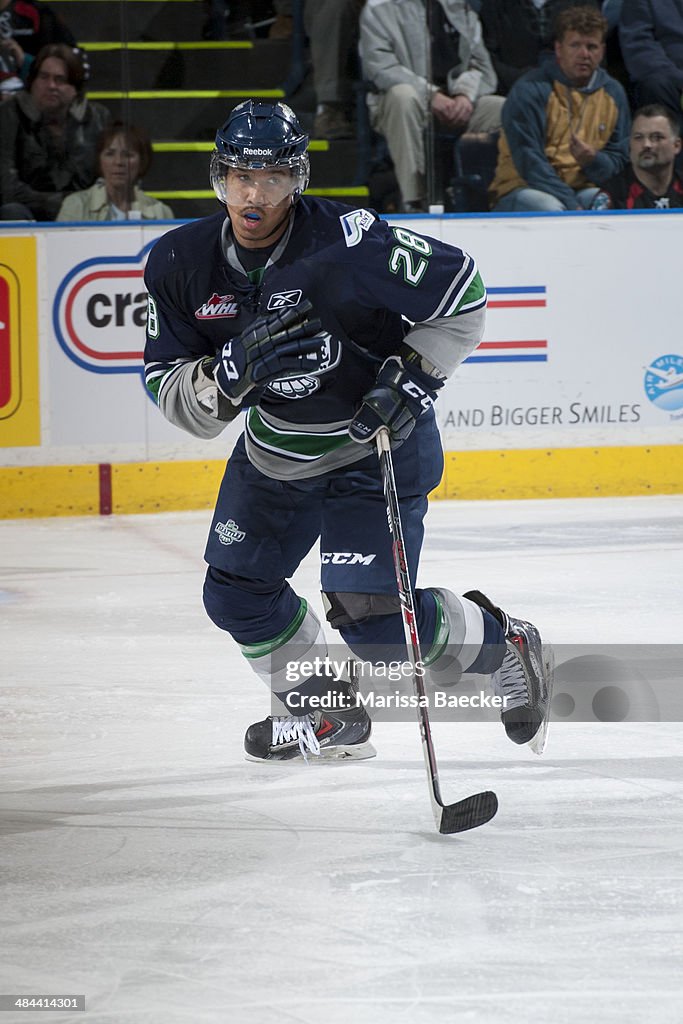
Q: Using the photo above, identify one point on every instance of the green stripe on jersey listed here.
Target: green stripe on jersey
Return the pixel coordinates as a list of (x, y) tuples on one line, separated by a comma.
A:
[(153, 385), (475, 292), (306, 447)]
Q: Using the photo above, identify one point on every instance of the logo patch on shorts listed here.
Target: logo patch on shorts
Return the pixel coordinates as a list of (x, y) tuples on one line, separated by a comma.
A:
[(229, 533)]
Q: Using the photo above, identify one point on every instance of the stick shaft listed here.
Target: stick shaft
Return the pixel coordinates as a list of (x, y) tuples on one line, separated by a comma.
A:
[(408, 615)]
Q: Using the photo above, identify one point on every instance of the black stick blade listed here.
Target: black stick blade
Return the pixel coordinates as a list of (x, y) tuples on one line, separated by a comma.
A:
[(468, 813)]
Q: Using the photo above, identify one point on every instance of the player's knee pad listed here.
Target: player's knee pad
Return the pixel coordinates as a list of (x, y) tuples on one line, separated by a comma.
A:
[(370, 624), (343, 609)]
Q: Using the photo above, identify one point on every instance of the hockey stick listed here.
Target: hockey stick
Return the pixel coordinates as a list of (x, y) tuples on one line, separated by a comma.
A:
[(473, 810)]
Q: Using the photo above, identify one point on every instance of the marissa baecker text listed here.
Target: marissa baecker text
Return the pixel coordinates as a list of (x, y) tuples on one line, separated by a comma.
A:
[(301, 703)]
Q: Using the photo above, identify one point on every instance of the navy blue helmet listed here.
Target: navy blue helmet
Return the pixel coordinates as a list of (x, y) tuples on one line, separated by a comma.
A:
[(257, 136)]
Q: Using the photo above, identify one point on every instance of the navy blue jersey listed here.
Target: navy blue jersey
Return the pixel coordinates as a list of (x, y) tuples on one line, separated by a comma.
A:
[(368, 284)]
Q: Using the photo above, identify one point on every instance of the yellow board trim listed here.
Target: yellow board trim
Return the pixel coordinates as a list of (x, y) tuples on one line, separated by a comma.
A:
[(350, 190), (20, 411), (185, 94), (39, 491), (165, 486), (182, 193), (241, 44), (207, 193), (562, 473), (315, 145)]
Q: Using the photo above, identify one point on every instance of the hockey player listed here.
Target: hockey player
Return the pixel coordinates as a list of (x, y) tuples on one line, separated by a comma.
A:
[(297, 312)]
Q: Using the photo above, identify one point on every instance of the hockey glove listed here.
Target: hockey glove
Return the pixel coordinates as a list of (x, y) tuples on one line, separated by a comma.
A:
[(400, 394), (286, 344)]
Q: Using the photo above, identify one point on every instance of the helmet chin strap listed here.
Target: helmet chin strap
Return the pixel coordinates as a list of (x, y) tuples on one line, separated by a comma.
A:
[(281, 223)]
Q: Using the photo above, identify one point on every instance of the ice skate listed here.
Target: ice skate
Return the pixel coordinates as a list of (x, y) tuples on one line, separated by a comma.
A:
[(525, 678), (333, 734)]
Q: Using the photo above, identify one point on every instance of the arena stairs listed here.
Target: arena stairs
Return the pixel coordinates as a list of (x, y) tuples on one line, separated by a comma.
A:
[(150, 65)]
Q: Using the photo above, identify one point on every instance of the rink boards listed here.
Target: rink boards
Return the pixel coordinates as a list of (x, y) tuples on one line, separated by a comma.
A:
[(576, 389)]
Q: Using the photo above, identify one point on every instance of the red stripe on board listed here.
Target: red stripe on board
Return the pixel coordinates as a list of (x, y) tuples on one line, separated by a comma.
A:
[(509, 303), (514, 344), (105, 488), (69, 322)]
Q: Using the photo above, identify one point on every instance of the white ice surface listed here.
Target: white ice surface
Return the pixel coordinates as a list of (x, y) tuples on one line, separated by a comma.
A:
[(146, 865)]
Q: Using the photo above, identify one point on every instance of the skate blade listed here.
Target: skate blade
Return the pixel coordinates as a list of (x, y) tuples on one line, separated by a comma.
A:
[(538, 742), (354, 752)]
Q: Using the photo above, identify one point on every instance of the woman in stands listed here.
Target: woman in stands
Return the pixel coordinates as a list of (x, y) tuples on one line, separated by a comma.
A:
[(124, 155)]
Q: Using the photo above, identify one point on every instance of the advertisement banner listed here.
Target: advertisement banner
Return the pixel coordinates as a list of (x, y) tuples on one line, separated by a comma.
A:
[(96, 339), (582, 344), (19, 379)]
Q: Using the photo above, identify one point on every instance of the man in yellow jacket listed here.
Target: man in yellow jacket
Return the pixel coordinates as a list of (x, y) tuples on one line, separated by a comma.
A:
[(565, 124)]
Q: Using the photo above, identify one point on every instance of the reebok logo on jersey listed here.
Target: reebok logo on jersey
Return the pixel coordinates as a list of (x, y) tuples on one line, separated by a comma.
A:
[(354, 224), (279, 300), (229, 533), (217, 306), (346, 558)]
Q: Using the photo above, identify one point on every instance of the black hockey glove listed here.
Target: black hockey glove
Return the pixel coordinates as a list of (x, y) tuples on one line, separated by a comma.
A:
[(400, 394), (285, 344)]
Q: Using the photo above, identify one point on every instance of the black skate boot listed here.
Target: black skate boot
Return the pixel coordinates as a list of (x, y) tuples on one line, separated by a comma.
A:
[(525, 678), (331, 735)]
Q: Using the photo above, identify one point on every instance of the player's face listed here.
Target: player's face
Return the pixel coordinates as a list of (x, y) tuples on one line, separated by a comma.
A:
[(653, 144), (579, 56), (258, 202)]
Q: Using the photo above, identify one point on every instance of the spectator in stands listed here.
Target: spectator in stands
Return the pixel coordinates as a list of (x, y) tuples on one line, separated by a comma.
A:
[(25, 27), (412, 74), (650, 181), (124, 155), (519, 33), (283, 25), (332, 30), (48, 137), (612, 11), (516, 34), (13, 61), (565, 124), (651, 35)]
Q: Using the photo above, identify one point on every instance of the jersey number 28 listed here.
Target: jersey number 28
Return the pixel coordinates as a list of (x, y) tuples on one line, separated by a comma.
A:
[(409, 256)]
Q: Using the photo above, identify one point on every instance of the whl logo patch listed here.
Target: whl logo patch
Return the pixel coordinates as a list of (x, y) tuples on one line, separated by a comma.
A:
[(229, 533), (281, 300), (216, 307)]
